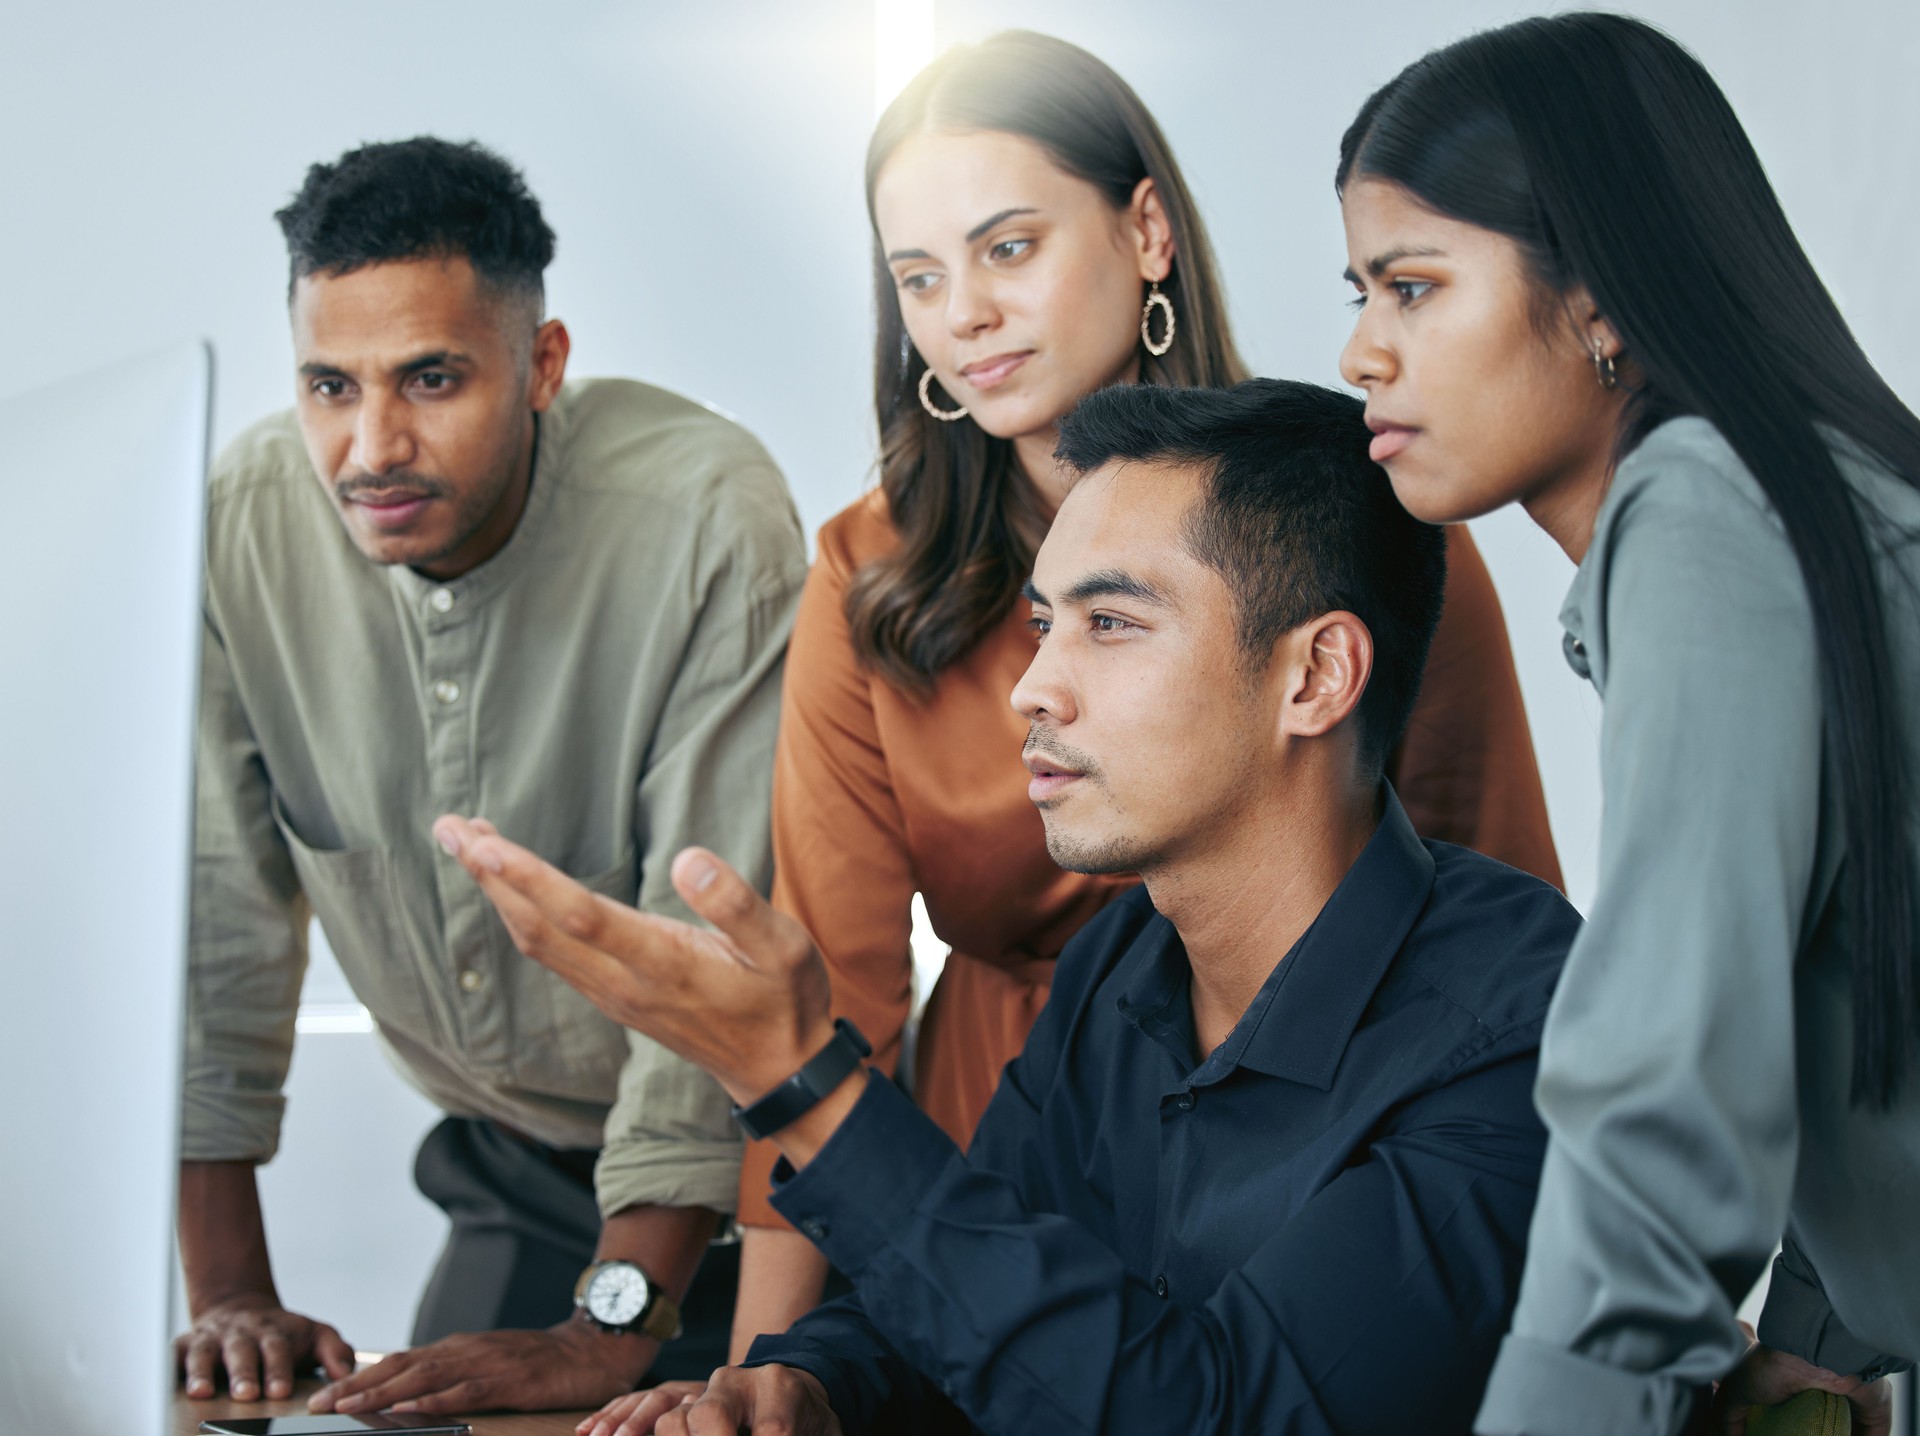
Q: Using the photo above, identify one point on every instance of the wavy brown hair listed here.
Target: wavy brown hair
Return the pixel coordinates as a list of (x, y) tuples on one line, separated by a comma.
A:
[(969, 519)]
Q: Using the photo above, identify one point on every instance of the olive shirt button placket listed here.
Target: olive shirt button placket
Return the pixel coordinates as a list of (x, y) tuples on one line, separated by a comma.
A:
[(450, 772)]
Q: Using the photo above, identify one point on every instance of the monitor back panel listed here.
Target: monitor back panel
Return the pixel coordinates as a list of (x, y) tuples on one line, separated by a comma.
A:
[(101, 498)]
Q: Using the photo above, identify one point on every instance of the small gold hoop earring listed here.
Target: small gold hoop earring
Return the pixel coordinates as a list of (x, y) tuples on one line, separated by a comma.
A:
[(1603, 369), (945, 416), (1146, 322)]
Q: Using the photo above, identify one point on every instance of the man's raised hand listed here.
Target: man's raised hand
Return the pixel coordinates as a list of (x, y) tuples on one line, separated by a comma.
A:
[(748, 1001)]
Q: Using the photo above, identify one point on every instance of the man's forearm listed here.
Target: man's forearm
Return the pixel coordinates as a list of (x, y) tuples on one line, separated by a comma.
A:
[(223, 1241), (666, 1243), (781, 1278)]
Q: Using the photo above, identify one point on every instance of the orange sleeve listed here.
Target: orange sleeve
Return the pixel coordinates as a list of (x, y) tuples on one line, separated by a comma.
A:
[(1465, 769), (841, 864)]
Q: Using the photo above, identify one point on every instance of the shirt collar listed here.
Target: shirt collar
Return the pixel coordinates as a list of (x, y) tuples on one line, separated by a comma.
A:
[(1300, 1021)]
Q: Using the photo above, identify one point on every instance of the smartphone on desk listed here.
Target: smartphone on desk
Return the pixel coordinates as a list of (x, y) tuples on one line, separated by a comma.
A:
[(332, 1425)]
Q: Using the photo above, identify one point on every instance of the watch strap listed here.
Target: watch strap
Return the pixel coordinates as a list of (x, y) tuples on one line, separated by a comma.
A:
[(803, 1091), (660, 1318)]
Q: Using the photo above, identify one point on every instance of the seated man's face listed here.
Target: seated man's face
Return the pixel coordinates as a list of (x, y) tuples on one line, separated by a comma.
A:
[(413, 400), (1147, 735)]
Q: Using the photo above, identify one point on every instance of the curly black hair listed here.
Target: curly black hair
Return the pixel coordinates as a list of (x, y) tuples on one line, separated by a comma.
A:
[(423, 197)]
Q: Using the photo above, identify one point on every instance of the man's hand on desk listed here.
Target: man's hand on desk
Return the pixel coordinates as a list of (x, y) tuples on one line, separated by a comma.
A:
[(763, 1398), (253, 1337), (569, 1365), (749, 1002)]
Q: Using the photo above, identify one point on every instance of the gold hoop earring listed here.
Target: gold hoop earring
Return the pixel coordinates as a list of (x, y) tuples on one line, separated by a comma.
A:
[(1146, 322), (945, 416), (1603, 369)]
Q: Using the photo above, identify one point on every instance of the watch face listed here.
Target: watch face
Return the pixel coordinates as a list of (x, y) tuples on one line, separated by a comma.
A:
[(617, 1294)]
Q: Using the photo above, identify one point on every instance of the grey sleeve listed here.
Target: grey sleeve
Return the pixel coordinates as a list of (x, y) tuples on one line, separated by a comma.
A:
[(1799, 1319), (247, 936), (708, 780), (1666, 1079)]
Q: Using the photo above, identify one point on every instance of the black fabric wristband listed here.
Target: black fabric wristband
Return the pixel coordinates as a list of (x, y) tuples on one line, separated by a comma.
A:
[(803, 1091)]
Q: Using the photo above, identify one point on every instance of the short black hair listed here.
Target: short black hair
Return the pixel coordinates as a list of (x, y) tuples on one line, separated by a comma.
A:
[(415, 199), (1296, 518)]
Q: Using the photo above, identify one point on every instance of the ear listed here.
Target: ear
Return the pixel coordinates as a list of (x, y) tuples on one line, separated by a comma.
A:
[(551, 345), (1327, 662), (1150, 231), (1592, 327)]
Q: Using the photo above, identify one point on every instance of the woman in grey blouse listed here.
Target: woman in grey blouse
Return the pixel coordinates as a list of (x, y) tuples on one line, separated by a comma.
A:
[(1578, 292)]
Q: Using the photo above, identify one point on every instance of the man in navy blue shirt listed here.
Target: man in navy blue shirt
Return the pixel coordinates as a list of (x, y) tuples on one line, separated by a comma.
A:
[(1267, 1161)]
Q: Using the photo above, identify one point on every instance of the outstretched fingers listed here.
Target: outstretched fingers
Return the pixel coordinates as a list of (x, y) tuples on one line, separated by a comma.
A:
[(765, 938), (612, 953)]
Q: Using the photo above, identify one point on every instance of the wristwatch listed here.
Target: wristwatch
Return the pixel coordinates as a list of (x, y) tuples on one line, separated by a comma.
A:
[(617, 1296), (805, 1090)]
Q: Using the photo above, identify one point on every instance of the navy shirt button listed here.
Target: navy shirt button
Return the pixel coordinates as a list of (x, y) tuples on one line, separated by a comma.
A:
[(1159, 1286), (1184, 1102), (813, 1229)]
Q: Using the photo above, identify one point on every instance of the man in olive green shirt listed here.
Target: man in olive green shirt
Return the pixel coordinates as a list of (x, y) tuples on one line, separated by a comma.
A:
[(449, 580)]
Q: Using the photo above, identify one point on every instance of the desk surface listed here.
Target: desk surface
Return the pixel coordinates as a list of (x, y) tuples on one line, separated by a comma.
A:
[(187, 1416)]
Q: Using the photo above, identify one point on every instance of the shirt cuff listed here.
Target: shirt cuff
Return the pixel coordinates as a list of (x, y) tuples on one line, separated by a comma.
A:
[(1799, 1320), (862, 1187), (225, 1124), (1542, 1390), (845, 1399)]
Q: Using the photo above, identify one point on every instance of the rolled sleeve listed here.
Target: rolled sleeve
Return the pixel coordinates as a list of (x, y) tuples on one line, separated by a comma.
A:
[(1798, 1319), (671, 1138), (1539, 1389), (247, 939), (670, 1135)]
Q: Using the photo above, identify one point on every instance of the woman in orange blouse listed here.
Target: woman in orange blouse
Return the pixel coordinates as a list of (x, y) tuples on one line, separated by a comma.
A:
[(1034, 242)]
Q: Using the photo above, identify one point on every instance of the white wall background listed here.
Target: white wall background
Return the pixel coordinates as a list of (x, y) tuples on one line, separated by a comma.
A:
[(702, 167)]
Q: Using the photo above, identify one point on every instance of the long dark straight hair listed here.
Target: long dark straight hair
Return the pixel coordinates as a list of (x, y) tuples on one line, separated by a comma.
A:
[(969, 521), (1608, 153)]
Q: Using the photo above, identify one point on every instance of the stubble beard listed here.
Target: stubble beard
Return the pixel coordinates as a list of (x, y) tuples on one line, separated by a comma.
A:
[(1097, 857), (1103, 858), (470, 513)]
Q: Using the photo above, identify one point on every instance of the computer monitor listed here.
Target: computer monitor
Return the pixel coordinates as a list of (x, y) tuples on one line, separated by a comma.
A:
[(101, 498)]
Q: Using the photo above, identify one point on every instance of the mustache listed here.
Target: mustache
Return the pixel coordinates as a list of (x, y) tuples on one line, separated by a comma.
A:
[(1043, 742), (400, 481)]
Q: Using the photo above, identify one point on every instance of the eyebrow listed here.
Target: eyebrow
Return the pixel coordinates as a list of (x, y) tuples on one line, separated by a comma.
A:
[(1102, 583), (438, 359), (1385, 260), (979, 229), (991, 220)]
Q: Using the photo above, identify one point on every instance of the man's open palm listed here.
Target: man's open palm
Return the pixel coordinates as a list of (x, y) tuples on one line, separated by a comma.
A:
[(747, 1001)]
